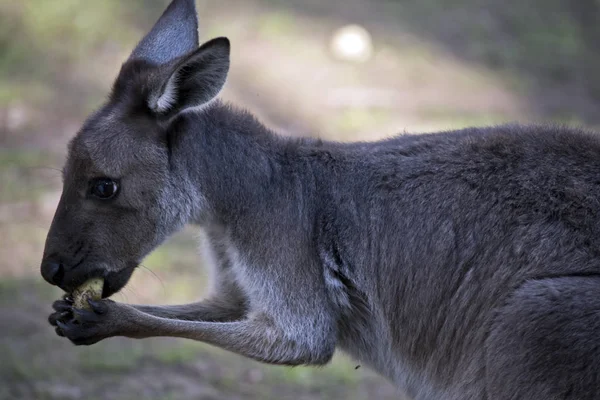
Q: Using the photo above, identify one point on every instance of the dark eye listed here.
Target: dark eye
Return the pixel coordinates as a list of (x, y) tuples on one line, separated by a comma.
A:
[(103, 188)]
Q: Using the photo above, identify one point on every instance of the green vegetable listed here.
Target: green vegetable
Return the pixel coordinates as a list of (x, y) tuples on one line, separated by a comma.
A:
[(92, 289)]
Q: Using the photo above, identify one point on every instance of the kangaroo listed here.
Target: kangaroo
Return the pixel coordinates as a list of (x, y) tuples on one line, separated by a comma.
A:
[(461, 264)]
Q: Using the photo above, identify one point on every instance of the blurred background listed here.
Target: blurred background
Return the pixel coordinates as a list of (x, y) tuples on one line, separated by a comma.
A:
[(337, 69)]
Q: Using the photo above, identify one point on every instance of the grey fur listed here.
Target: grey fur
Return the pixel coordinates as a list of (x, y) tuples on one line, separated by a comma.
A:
[(460, 265)]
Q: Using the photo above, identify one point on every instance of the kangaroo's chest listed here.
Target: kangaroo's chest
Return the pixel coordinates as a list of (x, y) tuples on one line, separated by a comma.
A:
[(232, 268)]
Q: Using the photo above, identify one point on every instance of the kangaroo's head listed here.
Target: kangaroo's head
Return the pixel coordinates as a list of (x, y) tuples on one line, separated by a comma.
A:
[(120, 198)]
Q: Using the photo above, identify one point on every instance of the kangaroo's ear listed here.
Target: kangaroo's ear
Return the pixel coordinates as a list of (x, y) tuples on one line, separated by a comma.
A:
[(194, 81), (174, 34)]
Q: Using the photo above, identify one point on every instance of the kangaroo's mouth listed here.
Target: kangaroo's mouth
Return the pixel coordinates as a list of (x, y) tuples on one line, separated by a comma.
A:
[(115, 281)]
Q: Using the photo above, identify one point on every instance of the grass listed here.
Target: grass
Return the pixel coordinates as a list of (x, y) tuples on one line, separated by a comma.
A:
[(98, 359), (30, 290), (341, 371), (178, 252), (180, 353), (41, 38)]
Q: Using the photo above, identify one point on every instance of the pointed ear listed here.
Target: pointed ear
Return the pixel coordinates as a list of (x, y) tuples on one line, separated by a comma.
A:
[(194, 81), (174, 34)]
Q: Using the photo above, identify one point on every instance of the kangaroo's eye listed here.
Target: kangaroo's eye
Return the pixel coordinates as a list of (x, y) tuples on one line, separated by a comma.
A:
[(103, 188)]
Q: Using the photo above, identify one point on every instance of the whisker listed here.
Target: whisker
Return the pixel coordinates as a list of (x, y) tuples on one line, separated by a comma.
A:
[(32, 224), (123, 296), (162, 284), (43, 167), (131, 289)]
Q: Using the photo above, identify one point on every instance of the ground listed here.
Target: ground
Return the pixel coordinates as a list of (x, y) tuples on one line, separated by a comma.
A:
[(435, 66)]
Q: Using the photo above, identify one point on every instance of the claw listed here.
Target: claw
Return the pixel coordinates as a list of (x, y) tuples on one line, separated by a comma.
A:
[(58, 316), (65, 314), (61, 305), (68, 298), (62, 326), (97, 306)]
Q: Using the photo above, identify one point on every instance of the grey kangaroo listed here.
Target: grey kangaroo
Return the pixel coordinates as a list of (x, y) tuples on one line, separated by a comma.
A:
[(460, 265)]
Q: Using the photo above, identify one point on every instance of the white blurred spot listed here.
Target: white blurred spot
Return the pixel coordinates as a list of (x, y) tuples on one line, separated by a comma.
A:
[(352, 43), (16, 117)]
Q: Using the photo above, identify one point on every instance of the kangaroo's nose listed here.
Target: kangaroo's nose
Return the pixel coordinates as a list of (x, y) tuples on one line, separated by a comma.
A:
[(53, 272)]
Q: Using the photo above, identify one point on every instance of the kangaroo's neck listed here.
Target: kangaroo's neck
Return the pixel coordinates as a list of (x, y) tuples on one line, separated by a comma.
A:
[(232, 162)]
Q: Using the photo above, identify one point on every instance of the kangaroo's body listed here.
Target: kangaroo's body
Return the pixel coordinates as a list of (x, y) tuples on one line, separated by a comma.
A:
[(460, 265)]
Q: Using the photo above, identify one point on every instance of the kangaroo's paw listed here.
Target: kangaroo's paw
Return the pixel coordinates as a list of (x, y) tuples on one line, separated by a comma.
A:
[(104, 319)]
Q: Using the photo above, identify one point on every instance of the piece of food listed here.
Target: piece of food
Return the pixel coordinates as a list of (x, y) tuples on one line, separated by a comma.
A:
[(92, 289)]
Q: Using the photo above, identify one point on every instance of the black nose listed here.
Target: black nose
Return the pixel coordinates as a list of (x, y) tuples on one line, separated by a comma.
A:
[(53, 272)]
